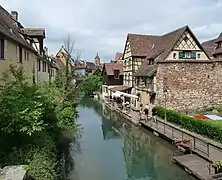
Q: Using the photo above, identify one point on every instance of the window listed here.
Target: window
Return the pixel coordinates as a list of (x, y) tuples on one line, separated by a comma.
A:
[(151, 62), (44, 66), (26, 56), (187, 55), (20, 54), (174, 55), (39, 65), (116, 74), (218, 45), (2, 49), (198, 55)]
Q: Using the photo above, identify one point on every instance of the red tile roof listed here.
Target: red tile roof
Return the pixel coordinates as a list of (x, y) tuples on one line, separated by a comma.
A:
[(110, 67), (141, 44), (118, 56)]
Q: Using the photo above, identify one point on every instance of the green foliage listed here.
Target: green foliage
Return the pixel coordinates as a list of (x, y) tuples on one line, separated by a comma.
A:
[(32, 119), (219, 109), (217, 164), (208, 128), (92, 83)]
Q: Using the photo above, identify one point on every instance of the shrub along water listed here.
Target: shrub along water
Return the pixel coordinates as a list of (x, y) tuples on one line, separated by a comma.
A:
[(32, 119), (92, 83), (207, 128)]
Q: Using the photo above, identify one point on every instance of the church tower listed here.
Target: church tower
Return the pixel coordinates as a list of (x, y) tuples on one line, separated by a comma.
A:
[(97, 59)]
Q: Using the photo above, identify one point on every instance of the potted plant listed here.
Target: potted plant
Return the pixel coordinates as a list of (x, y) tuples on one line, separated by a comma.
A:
[(217, 167), (185, 141)]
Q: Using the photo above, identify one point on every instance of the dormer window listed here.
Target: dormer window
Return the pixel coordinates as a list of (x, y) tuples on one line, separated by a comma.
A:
[(218, 45), (116, 74), (151, 62)]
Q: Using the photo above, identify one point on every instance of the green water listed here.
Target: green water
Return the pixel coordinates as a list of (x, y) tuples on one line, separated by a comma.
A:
[(112, 149)]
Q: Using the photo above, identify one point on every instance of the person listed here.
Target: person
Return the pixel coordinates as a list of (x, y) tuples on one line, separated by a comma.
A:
[(154, 114), (146, 111)]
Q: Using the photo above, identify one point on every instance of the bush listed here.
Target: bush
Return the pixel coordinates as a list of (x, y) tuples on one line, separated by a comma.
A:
[(91, 83), (208, 128), (32, 119)]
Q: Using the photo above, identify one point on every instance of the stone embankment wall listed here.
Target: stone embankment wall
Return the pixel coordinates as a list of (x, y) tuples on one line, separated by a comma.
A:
[(13, 173), (191, 86)]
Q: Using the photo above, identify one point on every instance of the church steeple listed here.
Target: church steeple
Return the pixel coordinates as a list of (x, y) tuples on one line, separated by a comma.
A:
[(97, 59), (97, 56)]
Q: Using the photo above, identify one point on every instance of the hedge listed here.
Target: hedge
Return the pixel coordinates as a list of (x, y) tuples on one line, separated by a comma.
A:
[(207, 128)]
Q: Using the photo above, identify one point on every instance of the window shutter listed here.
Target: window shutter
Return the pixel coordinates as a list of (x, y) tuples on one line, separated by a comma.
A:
[(5, 49), (181, 55), (193, 55)]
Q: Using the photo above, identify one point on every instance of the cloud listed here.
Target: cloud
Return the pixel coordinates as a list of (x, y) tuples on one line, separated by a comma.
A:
[(98, 25)]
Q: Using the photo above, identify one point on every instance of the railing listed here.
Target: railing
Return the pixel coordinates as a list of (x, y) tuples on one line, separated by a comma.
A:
[(206, 148)]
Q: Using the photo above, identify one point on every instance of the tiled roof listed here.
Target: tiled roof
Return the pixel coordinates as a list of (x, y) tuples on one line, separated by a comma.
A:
[(161, 48), (219, 39), (165, 43), (110, 67), (141, 44), (90, 65), (118, 56), (146, 70), (34, 31), (217, 51), (10, 29), (209, 46)]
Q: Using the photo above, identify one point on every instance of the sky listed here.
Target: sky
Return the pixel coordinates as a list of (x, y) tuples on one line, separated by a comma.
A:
[(102, 25)]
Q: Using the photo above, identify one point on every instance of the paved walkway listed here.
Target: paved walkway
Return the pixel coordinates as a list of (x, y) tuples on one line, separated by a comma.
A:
[(207, 148)]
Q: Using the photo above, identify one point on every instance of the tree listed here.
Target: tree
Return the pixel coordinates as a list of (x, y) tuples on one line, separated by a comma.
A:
[(66, 75)]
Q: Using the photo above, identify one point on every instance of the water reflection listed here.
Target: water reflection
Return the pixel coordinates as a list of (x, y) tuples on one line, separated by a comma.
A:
[(113, 149)]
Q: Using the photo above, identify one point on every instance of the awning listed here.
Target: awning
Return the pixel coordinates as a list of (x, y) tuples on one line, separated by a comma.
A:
[(120, 88), (127, 95), (209, 117), (214, 117)]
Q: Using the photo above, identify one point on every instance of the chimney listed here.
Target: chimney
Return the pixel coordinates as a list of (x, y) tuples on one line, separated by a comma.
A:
[(14, 15)]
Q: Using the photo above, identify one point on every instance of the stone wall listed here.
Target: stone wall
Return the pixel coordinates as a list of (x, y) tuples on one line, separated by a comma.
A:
[(13, 173), (191, 86)]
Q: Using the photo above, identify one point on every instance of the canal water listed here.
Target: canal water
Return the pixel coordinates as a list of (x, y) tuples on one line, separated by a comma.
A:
[(110, 148)]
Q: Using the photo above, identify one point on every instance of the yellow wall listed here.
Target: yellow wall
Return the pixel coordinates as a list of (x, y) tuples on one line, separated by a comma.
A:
[(12, 57)]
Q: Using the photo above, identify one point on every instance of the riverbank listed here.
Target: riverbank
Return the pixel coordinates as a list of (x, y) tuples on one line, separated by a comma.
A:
[(207, 149)]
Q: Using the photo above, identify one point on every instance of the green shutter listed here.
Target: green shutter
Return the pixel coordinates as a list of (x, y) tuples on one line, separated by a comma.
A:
[(181, 55)]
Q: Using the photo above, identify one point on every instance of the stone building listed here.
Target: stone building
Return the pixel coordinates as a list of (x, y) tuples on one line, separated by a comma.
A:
[(179, 74)]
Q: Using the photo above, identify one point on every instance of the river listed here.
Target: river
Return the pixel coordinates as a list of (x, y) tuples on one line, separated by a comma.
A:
[(110, 148)]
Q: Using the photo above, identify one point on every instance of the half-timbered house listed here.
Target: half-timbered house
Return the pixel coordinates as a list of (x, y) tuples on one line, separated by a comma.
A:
[(112, 77), (179, 74), (137, 47)]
